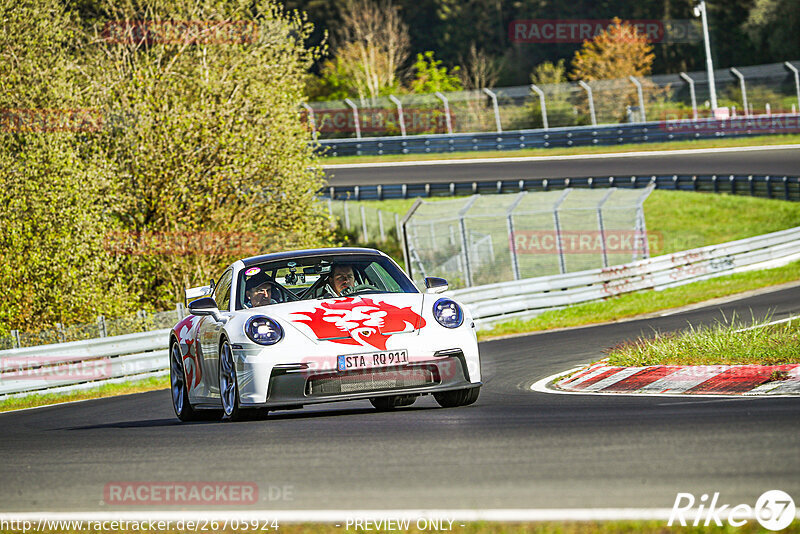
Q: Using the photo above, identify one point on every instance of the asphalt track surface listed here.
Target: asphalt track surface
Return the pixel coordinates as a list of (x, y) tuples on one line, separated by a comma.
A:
[(728, 161), (514, 448)]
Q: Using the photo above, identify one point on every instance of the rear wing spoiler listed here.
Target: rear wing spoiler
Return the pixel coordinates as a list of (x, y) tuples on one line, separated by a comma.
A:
[(194, 293)]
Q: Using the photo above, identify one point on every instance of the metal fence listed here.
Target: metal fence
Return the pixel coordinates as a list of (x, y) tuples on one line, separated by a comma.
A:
[(505, 301), (142, 321), (486, 239), (744, 91), (371, 224)]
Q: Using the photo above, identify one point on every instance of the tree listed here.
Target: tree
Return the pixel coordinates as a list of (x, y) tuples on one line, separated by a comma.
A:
[(197, 154), (430, 76), (370, 48), (53, 264), (479, 69), (772, 24), (614, 55)]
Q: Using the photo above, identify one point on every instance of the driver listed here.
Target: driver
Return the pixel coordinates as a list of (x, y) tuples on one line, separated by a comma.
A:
[(343, 279)]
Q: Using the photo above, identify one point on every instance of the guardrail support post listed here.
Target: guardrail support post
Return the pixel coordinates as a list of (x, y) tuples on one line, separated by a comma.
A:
[(15, 338), (355, 116), (591, 100), (464, 240), (443, 98), (744, 90), (380, 226), (512, 242), (311, 120), (101, 326), (400, 118), (541, 104), (180, 309), (496, 109), (601, 226), (401, 232), (557, 225), (364, 223), (346, 214), (796, 79), (640, 93), (691, 93)]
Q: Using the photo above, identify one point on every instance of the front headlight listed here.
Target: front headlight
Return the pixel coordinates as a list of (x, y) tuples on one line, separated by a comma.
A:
[(263, 330), (448, 313)]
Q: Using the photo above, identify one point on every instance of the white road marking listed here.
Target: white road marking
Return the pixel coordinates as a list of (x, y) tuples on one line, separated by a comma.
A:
[(342, 516), (779, 321), (523, 159)]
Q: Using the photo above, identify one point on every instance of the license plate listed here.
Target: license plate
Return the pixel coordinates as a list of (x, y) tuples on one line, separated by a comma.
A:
[(369, 360)]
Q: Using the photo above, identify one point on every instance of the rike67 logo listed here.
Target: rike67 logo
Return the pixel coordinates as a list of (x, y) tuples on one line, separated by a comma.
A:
[(774, 510)]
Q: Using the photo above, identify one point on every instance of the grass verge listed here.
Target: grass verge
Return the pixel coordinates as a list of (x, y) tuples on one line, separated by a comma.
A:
[(648, 301), (568, 151), (721, 344), (107, 390)]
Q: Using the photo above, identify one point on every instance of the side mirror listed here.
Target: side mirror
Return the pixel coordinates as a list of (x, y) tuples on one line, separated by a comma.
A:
[(205, 306), (435, 285)]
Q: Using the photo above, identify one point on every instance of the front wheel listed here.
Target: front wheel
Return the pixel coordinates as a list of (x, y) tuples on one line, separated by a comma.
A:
[(461, 397), (228, 388), (177, 381)]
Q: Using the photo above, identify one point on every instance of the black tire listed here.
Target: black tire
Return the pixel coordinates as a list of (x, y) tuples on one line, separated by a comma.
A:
[(177, 380), (386, 404), (461, 397), (228, 386)]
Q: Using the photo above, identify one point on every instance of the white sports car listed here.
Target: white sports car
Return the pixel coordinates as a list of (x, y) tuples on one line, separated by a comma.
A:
[(284, 330)]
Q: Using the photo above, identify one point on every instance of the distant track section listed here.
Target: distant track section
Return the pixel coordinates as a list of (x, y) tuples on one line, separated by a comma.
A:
[(782, 160)]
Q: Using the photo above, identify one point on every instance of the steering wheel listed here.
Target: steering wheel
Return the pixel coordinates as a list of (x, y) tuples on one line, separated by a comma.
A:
[(361, 287)]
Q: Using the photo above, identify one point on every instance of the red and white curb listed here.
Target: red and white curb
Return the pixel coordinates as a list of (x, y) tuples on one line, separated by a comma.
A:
[(727, 380)]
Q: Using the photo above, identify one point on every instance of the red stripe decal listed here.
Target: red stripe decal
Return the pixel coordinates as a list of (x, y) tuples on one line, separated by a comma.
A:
[(597, 378), (738, 379), (641, 379)]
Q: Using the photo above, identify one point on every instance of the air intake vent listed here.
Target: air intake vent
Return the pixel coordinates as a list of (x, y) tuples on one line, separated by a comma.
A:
[(362, 381)]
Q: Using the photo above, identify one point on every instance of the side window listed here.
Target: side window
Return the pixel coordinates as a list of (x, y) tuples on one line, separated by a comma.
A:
[(378, 276), (222, 293)]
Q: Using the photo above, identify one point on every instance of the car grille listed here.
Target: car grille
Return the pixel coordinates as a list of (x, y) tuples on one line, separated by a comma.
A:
[(361, 381)]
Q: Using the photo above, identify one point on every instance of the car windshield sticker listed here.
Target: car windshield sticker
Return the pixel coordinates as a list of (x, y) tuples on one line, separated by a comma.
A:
[(366, 322), (252, 270)]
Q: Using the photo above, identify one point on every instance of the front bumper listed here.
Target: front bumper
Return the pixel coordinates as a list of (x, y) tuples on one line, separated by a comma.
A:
[(294, 387)]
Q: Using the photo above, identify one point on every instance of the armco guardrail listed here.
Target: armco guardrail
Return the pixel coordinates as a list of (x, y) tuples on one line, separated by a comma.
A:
[(614, 134), (75, 365), (64, 365), (779, 187), (527, 298)]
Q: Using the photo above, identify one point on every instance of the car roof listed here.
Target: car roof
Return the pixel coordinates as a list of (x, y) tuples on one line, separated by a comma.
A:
[(342, 251)]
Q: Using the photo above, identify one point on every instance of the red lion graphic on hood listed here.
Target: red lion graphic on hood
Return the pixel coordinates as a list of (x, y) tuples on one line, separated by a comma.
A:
[(362, 319)]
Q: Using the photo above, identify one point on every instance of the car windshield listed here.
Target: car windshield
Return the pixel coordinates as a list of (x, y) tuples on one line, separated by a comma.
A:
[(318, 277)]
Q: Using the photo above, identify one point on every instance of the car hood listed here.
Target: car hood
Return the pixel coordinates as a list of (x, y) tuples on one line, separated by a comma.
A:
[(370, 318)]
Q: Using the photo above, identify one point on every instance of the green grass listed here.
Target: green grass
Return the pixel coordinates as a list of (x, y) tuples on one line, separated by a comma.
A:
[(566, 151), (107, 390), (724, 343), (648, 301)]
